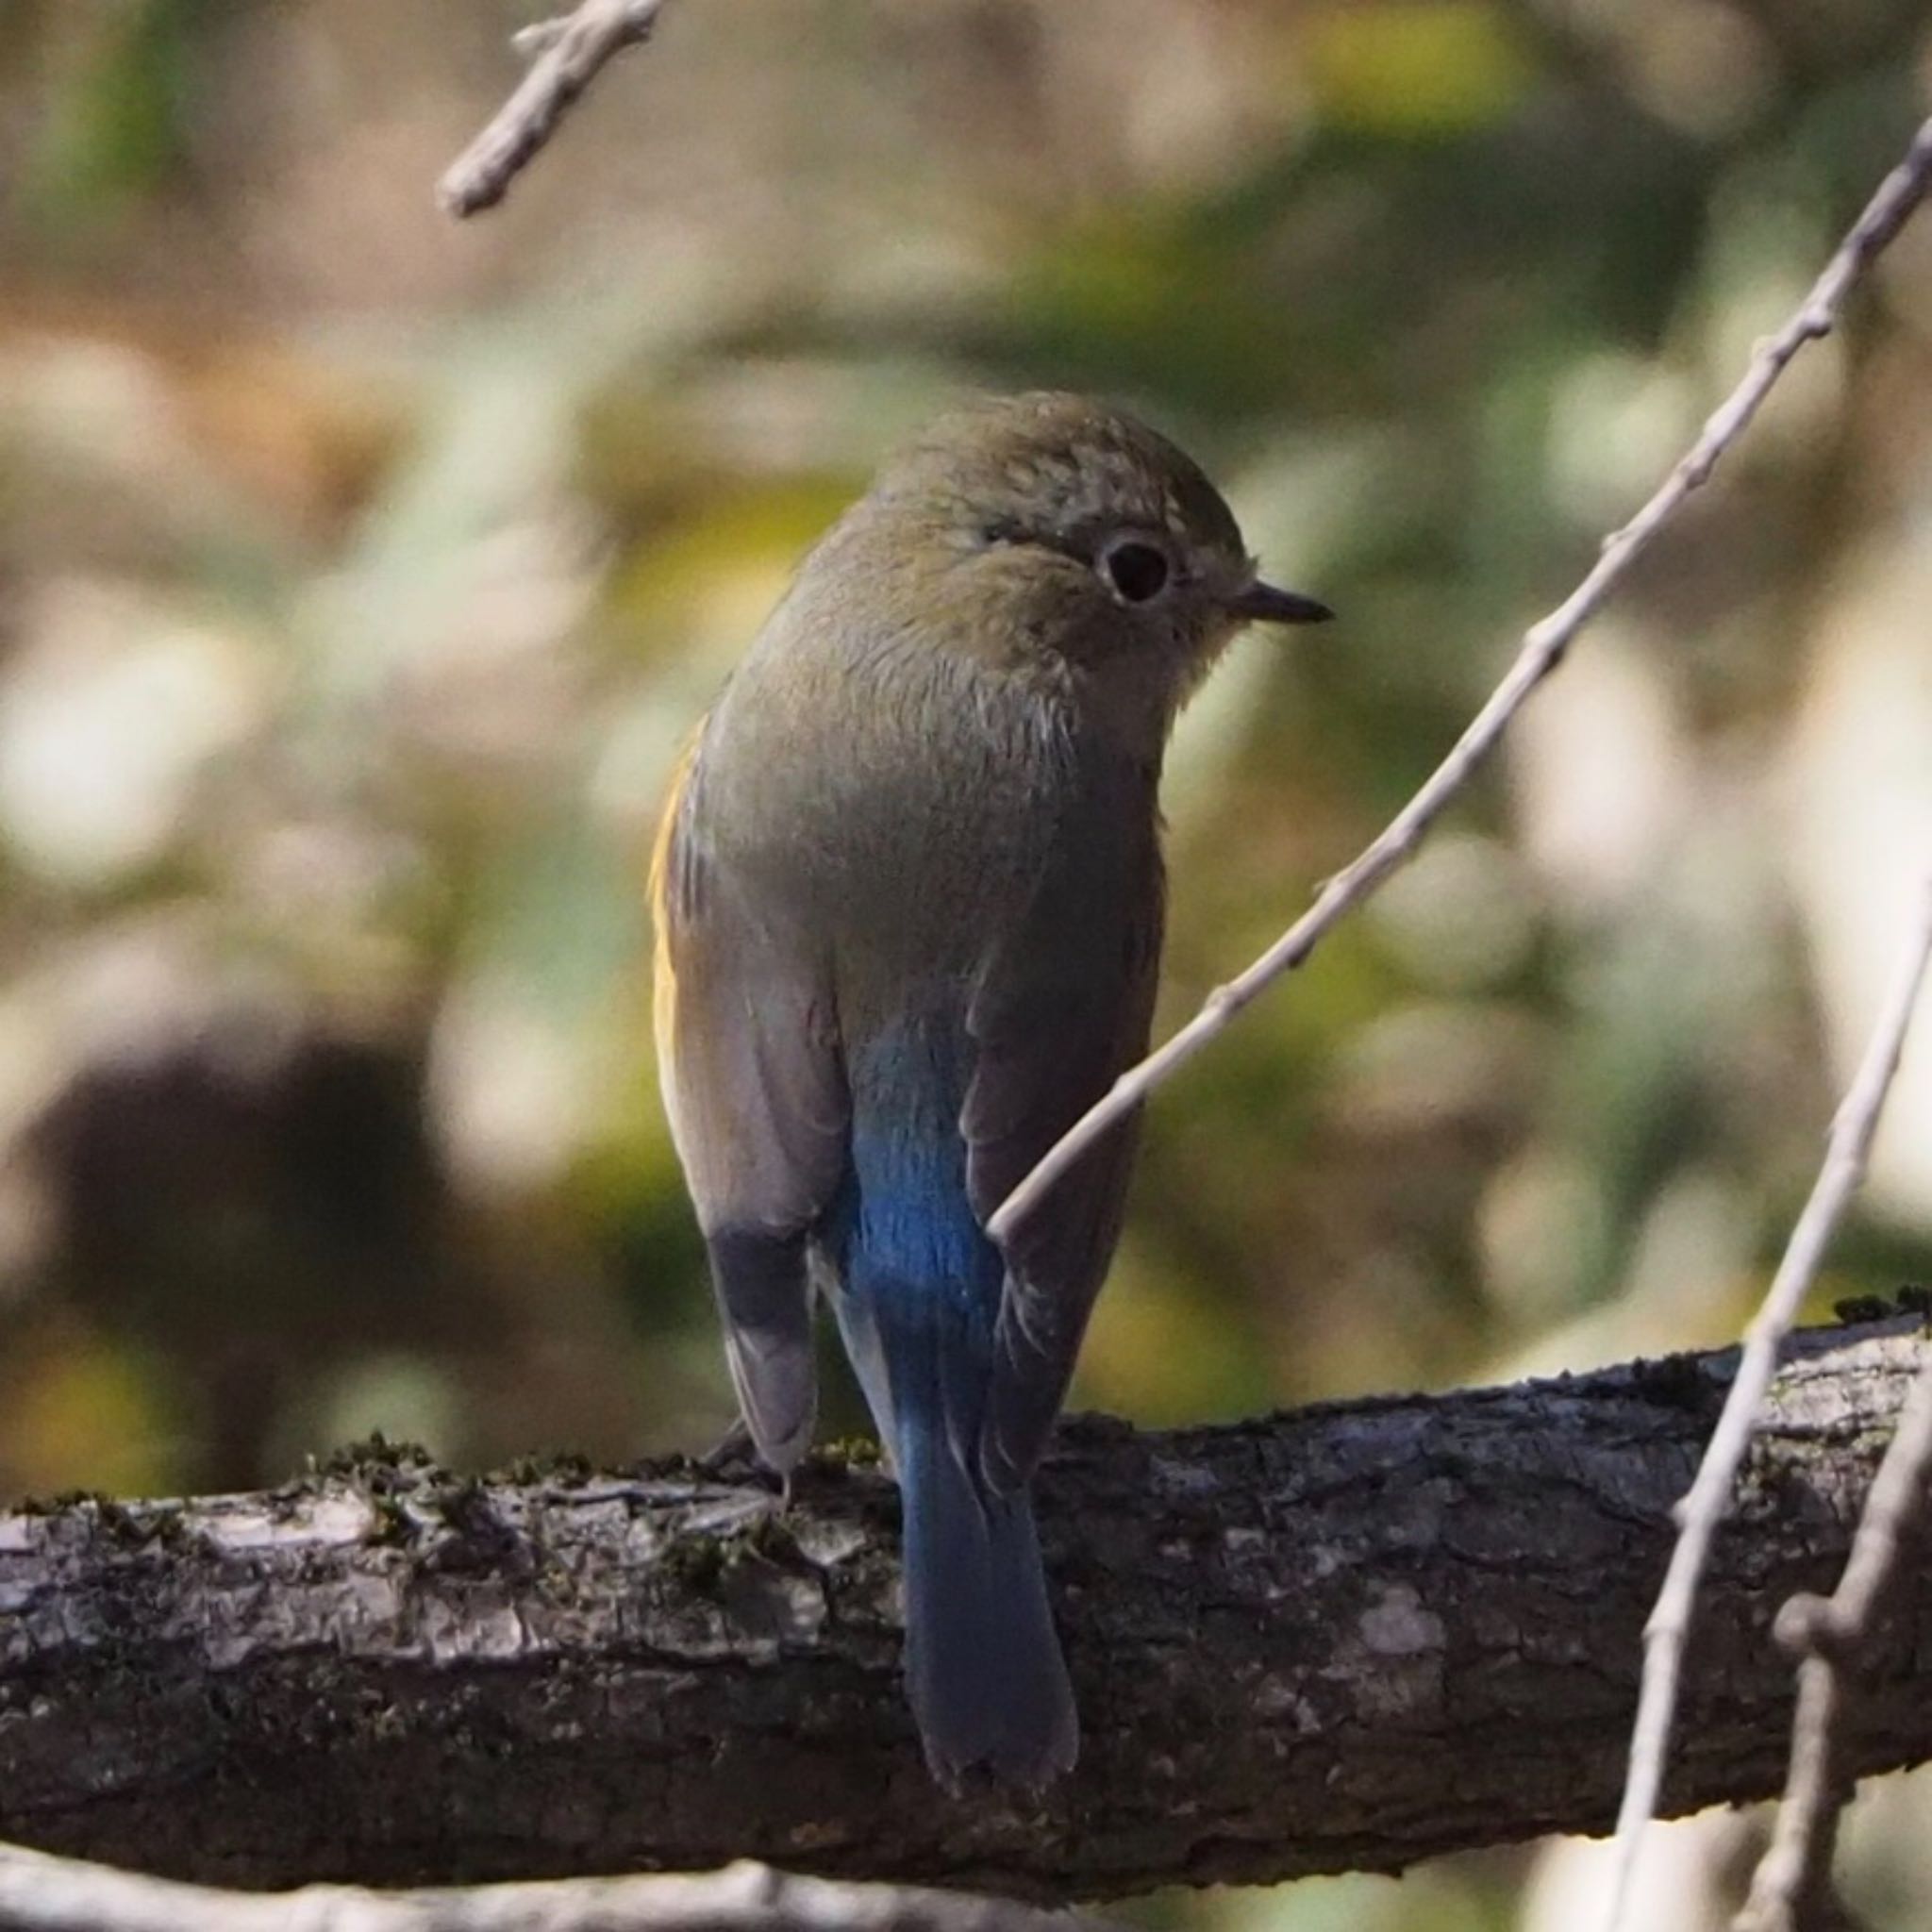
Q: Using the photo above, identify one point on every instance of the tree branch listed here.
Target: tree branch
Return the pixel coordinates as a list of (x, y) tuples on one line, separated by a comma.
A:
[(1343, 1638), (566, 55), (38, 1893), (1542, 650), (1829, 1636), (1847, 1151)]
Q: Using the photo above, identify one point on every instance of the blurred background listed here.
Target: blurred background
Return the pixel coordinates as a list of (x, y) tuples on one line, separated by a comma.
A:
[(360, 574)]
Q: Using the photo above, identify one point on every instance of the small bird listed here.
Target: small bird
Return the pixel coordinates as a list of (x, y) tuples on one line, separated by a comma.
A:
[(909, 898)]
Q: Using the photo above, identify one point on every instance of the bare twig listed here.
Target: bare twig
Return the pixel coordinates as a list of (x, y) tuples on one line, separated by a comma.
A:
[(566, 55), (1542, 650), (1828, 1634), (1704, 1507), (38, 1893)]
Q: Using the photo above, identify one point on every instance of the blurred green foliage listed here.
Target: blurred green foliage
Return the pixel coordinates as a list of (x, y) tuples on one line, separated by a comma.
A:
[(359, 577)]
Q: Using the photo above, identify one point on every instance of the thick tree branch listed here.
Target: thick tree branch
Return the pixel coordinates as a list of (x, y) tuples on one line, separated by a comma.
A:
[(1346, 1637)]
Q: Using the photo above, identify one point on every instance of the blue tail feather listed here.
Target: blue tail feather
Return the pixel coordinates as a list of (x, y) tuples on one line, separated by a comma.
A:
[(919, 1297), (983, 1666)]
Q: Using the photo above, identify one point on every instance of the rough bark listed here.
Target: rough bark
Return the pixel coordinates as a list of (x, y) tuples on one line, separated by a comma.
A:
[(1346, 1637)]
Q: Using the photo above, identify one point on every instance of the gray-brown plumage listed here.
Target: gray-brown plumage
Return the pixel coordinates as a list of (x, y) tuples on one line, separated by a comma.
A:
[(909, 903)]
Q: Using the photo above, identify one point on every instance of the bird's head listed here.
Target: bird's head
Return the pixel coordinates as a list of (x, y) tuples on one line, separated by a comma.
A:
[(1054, 527)]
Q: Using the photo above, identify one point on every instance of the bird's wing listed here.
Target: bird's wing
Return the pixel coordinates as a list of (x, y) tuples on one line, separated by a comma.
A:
[(753, 1080), (1063, 1008)]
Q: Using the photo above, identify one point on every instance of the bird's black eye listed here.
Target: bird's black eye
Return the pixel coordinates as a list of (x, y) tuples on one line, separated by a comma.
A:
[(1137, 570)]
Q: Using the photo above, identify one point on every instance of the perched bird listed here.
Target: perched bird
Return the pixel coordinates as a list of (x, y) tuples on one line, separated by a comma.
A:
[(908, 899)]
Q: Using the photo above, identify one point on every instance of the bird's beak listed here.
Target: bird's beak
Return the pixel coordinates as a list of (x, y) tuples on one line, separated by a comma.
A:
[(1260, 603)]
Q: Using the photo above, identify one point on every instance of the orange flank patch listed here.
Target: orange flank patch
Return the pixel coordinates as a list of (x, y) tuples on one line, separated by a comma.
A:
[(663, 969)]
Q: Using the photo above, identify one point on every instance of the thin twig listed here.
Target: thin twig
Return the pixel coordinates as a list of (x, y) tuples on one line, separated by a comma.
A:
[(566, 55), (38, 1893), (1543, 649), (1829, 1634), (1703, 1507)]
